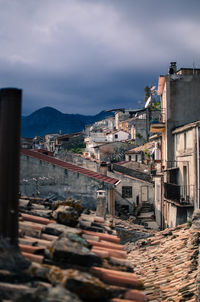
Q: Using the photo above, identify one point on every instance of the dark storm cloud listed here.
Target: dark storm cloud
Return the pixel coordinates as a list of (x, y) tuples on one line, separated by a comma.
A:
[(85, 56)]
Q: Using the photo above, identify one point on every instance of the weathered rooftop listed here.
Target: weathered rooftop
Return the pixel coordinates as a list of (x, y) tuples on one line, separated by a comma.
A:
[(168, 264), (137, 166), (186, 127), (88, 263), (144, 147), (84, 263)]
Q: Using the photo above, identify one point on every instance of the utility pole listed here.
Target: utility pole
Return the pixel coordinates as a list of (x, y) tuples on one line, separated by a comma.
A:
[(10, 127)]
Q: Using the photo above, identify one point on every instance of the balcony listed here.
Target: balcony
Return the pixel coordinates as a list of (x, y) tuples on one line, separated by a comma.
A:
[(158, 123), (183, 195)]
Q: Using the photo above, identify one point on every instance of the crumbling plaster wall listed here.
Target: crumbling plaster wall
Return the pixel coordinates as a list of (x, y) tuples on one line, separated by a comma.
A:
[(183, 105), (41, 178), (177, 215), (79, 161)]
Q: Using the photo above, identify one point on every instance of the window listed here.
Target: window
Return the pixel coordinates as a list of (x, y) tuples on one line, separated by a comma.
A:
[(185, 141), (129, 158), (177, 142), (127, 192), (116, 135)]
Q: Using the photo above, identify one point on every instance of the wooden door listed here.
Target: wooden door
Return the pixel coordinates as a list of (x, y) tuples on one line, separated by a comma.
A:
[(144, 193)]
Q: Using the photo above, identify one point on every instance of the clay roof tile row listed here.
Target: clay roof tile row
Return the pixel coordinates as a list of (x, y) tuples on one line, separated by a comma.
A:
[(103, 245), (169, 261)]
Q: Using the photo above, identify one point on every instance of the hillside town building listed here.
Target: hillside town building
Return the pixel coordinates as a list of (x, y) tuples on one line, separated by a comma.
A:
[(176, 179)]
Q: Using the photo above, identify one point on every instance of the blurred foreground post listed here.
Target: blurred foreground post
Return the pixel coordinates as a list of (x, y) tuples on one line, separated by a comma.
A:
[(10, 127)]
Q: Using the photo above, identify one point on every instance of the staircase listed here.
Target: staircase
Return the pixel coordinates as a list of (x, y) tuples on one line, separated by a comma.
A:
[(124, 208), (145, 215)]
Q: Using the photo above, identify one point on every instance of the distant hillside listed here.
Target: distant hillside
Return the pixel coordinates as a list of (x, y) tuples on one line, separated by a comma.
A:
[(49, 120)]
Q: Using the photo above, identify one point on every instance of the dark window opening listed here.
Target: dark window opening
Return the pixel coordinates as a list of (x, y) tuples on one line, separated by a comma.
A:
[(185, 141), (173, 176), (127, 192), (137, 200)]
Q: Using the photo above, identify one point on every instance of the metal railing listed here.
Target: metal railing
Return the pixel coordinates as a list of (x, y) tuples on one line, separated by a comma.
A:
[(175, 163), (158, 116), (181, 194), (131, 172)]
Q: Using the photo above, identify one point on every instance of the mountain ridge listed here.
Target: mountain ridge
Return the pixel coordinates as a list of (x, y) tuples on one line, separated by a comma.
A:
[(50, 120)]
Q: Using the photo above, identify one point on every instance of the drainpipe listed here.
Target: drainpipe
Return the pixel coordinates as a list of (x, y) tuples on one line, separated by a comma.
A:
[(147, 122), (162, 203), (10, 126), (197, 138)]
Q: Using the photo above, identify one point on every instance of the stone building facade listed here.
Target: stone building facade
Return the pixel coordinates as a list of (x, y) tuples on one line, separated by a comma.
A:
[(44, 175)]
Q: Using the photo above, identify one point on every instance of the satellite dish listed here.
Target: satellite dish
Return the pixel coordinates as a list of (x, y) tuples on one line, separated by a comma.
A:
[(148, 102), (153, 88)]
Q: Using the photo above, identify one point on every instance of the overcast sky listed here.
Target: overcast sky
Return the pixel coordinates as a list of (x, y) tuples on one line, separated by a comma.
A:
[(84, 56)]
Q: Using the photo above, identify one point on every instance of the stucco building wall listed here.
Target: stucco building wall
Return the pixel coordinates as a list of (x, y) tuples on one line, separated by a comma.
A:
[(78, 160), (138, 188), (183, 105), (43, 179)]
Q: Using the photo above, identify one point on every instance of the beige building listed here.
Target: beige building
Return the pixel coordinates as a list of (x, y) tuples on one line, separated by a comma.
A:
[(140, 154), (97, 139), (177, 180), (183, 178)]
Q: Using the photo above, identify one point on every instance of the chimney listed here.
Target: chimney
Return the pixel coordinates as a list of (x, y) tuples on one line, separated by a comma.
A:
[(101, 203), (103, 168), (10, 127), (172, 68)]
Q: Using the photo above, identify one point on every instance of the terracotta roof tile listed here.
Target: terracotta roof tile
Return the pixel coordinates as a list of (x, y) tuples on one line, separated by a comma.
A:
[(31, 249), (34, 241), (103, 236), (106, 246), (111, 252), (117, 278), (33, 257), (37, 219), (166, 264)]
